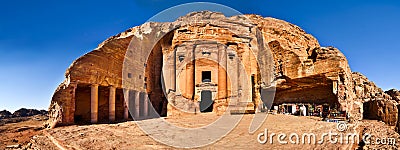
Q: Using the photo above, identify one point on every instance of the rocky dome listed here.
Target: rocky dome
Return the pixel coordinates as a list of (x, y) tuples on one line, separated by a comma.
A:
[(5, 114), (395, 94)]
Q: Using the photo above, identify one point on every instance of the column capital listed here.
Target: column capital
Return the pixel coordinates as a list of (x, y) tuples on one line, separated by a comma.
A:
[(94, 85)]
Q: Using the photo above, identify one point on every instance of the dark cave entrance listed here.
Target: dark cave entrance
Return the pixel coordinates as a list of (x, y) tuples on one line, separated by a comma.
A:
[(369, 108)]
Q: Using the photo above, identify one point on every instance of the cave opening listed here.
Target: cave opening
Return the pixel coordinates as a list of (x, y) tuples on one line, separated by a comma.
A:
[(369, 114), (313, 92)]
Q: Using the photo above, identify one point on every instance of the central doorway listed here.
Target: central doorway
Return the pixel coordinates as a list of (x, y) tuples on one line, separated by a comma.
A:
[(206, 103)]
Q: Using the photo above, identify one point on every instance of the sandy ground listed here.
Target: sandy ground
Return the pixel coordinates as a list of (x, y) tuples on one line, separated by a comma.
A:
[(20, 133), (129, 136)]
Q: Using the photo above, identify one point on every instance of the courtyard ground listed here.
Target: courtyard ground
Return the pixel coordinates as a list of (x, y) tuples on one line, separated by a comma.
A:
[(128, 135)]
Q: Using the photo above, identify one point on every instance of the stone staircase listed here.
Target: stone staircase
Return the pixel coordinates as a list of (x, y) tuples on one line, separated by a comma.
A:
[(242, 108)]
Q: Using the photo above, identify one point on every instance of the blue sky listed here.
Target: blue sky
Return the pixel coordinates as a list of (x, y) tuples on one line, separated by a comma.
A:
[(40, 39)]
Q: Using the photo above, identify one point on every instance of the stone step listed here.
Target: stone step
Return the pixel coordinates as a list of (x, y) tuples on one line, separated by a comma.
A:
[(242, 108), (233, 112)]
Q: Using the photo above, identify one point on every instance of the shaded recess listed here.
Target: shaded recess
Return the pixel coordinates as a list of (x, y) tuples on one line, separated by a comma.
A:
[(153, 75), (82, 104), (369, 105), (119, 105), (103, 104), (313, 89), (83, 109)]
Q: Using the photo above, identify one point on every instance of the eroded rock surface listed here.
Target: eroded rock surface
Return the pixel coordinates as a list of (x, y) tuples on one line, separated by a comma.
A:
[(372, 102), (395, 94), (383, 110)]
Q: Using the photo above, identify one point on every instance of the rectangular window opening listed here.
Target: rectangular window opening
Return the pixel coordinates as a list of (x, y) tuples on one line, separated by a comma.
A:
[(206, 76)]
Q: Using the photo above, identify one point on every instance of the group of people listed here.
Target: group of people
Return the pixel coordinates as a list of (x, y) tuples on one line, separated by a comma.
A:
[(301, 110)]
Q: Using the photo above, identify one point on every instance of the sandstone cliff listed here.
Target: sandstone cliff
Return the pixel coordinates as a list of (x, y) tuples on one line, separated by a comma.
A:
[(304, 71)]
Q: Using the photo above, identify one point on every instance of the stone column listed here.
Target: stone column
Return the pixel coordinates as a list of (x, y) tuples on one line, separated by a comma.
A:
[(137, 105), (145, 105), (246, 76), (111, 104), (126, 104), (222, 74), (94, 103), (189, 81), (171, 96), (335, 87), (232, 70), (173, 71), (190, 74)]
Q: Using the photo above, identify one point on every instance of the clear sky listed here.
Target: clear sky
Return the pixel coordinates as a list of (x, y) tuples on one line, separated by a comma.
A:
[(40, 39)]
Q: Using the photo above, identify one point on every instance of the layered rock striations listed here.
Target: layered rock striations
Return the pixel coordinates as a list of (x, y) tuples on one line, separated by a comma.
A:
[(304, 71)]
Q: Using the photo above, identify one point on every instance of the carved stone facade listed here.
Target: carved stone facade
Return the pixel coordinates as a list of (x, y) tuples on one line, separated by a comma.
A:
[(196, 55)]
